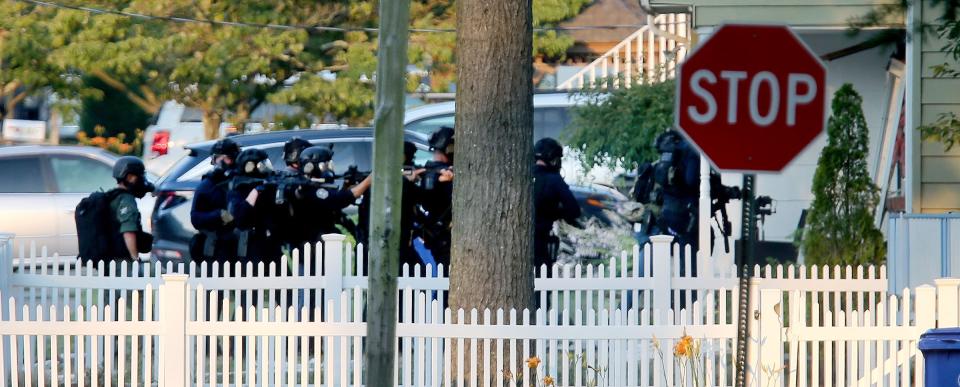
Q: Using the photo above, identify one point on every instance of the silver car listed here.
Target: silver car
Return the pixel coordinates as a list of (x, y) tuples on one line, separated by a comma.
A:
[(40, 186)]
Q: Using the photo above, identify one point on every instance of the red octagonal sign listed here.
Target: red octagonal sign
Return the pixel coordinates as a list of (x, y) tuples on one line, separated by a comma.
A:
[(751, 98)]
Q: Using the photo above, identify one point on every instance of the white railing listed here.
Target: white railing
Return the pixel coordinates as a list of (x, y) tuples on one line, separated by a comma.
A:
[(651, 53), (836, 326)]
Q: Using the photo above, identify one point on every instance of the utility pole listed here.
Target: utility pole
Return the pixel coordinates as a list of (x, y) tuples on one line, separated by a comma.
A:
[(385, 204)]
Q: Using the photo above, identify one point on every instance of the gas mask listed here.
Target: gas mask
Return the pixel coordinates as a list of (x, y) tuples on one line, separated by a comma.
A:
[(141, 187), (257, 168)]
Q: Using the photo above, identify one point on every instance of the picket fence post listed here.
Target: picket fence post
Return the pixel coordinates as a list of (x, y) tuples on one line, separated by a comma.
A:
[(6, 262), (754, 331), (662, 272), (173, 330), (769, 337), (333, 270), (948, 302), (6, 272)]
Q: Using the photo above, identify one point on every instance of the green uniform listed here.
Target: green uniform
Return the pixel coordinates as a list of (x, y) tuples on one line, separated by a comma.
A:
[(125, 212)]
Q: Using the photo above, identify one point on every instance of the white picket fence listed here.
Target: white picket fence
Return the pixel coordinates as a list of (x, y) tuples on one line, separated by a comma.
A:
[(817, 326)]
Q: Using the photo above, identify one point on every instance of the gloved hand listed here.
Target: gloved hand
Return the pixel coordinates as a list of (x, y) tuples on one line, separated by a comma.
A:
[(226, 216)]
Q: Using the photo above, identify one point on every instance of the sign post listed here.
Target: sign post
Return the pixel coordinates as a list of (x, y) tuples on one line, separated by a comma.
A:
[(750, 99)]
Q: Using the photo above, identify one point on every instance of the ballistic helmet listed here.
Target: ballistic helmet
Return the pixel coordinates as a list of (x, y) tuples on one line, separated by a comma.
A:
[(127, 165), (293, 148), (442, 140), (548, 150), (225, 147), (316, 162), (254, 162)]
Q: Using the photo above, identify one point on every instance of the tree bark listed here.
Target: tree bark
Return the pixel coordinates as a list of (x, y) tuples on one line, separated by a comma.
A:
[(492, 235), (211, 124)]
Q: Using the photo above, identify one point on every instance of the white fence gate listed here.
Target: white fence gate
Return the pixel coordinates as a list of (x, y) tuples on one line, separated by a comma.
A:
[(128, 325)]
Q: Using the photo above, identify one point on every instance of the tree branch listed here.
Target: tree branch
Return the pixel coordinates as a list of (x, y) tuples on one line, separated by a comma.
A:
[(147, 105)]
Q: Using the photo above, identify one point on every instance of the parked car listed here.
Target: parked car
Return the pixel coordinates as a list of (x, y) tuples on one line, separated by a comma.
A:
[(171, 217), (606, 221), (176, 125), (41, 185), (551, 115)]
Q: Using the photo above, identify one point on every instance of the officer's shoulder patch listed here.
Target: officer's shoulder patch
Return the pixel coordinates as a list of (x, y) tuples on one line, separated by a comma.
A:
[(322, 193)]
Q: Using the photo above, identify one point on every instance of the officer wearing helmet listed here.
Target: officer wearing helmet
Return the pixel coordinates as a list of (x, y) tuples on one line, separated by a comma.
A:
[(251, 204), (291, 153), (552, 200), (434, 196), (132, 184), (215, 239), (318, 206)]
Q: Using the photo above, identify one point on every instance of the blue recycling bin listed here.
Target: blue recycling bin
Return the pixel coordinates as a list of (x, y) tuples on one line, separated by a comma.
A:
[(941, 353)]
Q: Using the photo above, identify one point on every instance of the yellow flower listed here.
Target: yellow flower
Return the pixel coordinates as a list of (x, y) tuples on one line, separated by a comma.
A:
[(682, 348), (548, 381), (533, 362), (507, 375)]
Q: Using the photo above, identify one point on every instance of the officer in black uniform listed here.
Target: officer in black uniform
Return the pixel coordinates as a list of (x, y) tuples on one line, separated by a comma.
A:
[(318, 206), (216, 239), (132, 184), (251, 203), (677, 173), (552, 201), (434, 197)]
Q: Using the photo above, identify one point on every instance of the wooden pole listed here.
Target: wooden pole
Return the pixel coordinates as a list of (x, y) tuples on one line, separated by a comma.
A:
[(385, 203)]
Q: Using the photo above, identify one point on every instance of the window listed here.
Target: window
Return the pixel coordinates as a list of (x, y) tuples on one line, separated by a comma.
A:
[(549, 122), (356, 153), (21, 175), (429, 125), (81, 175), (191, 115)]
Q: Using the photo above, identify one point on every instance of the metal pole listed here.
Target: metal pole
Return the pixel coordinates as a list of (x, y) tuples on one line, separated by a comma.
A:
[(744, 260), (385, 203)]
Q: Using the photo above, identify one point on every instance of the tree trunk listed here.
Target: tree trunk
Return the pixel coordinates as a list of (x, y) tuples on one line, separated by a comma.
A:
[(492, 245), (211, 124)]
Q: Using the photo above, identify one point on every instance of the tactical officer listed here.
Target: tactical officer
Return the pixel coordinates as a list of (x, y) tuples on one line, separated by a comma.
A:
[(434, 196), (408, 204), (132, 184), (552, 201), (251, 203), (216, 239), (319, 206), (291, 153), (677, 173)]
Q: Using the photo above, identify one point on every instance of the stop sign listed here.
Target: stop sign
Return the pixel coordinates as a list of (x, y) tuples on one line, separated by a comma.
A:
[(751, 98)]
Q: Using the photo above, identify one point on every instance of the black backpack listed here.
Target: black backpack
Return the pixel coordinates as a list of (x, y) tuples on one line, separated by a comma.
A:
[(97, 231), (645, 188)]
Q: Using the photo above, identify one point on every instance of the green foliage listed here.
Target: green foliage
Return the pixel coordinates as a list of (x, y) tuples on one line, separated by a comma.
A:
[(620, 126), (112, 111), (26, 43), (840, 227), (228, 71)]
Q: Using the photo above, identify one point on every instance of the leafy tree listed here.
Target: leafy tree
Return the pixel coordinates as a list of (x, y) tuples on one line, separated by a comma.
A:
[(112, 111), (620, 126), (840, 227), (25, 46)]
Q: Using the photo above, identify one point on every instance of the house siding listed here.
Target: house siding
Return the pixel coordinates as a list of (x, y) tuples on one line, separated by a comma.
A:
[(940, 169)]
